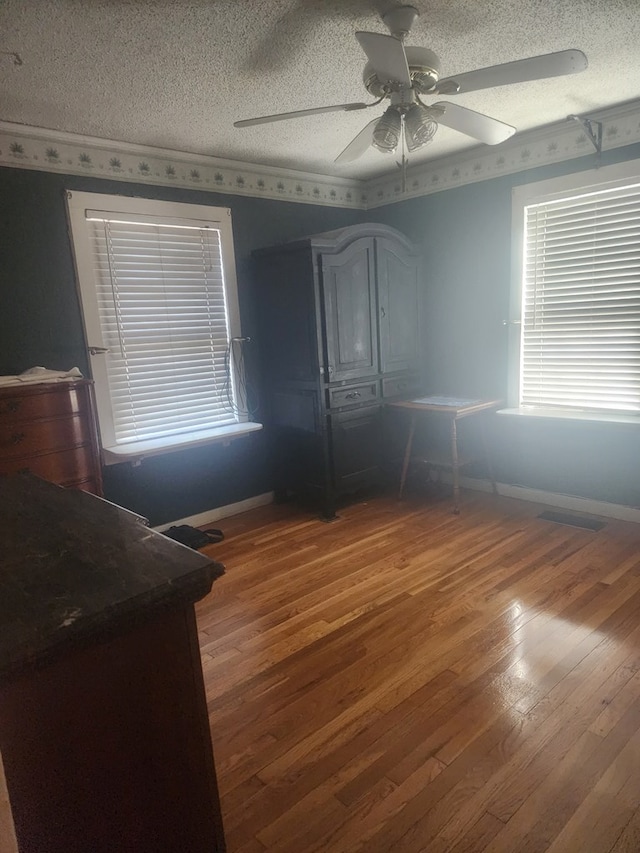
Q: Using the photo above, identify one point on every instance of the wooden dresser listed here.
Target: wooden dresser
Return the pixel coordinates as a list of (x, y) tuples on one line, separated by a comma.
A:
[(49, 429), (104, 732)]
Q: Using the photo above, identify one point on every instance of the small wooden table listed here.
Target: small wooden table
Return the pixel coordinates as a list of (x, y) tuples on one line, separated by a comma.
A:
[(454, 408)]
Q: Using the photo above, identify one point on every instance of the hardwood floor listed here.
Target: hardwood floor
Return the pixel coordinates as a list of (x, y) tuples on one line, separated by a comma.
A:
[(405, 679)]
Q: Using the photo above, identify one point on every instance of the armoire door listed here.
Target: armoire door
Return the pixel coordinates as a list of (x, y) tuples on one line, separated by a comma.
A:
[(397, 273), (356, 447), (350, 312)]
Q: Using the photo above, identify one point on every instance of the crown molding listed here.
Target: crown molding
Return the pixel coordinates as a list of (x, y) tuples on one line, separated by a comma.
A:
[(553, 143), (26, 147)]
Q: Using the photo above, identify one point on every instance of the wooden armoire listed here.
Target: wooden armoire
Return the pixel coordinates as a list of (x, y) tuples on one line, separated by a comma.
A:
[(339, 315)]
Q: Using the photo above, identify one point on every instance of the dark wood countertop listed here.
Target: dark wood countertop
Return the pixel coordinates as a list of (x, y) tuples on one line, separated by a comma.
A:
[(75, 568)]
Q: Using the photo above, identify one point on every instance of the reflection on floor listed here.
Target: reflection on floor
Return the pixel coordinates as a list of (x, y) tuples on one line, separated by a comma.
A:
[(405, 679)]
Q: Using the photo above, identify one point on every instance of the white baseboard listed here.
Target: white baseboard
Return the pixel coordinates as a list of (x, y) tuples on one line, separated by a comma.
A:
[(572, 502), (219, 512)]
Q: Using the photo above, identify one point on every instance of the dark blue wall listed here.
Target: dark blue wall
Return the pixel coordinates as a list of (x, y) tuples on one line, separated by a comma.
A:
[(465, 238), (40, 324)]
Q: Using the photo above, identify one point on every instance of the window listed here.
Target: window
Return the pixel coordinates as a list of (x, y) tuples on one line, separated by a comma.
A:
[(577, 302), (158, 292)]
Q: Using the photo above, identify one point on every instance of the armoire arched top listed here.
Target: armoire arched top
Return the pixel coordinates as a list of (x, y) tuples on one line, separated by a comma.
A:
[(340, 238)]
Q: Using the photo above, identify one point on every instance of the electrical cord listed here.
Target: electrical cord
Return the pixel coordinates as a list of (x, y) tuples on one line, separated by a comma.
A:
[(235, 367)]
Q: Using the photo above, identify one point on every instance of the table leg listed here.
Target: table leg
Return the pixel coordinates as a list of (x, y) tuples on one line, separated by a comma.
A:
[(407, 455), (455, 466), (487, 457)]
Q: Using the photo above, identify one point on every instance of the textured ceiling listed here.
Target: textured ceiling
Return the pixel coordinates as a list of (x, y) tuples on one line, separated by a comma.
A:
[(177, 73)]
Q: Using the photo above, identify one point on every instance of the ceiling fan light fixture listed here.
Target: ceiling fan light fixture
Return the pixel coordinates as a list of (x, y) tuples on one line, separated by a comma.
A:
[(419, 126), (386, 134)]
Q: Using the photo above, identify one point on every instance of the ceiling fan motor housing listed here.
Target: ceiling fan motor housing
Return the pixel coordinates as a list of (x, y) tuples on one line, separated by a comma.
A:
[(424, 69)]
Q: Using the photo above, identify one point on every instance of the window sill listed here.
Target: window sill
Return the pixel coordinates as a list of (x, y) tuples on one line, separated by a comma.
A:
[(569, 415), (136, 451)]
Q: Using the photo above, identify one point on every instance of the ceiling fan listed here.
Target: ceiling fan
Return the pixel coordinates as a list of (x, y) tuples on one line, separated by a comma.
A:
[(401, 74)]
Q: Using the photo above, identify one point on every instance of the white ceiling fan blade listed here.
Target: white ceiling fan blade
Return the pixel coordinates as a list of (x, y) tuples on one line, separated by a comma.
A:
[(386, 55), (358, 144), (249, 122), (482, 127), (520, 71)]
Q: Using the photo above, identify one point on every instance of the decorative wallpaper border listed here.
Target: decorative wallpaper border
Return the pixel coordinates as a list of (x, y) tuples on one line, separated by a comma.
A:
[(26, 147), (565, 140)]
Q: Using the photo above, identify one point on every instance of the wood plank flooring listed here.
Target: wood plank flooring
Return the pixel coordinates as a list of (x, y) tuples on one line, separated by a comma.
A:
[(409, 680)]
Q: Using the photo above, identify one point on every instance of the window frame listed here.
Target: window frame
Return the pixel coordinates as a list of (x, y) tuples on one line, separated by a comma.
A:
[(601, 178), (78, 203)]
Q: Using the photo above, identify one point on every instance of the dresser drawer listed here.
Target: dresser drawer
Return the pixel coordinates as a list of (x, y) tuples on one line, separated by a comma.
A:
[(64, 467), (26, 438), (16, 404), (49, 429), (353, 394), (400, 386)]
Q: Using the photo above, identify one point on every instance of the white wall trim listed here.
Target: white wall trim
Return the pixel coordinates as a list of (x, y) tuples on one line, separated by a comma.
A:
[(26, 147), (219, 512), (571, 502)]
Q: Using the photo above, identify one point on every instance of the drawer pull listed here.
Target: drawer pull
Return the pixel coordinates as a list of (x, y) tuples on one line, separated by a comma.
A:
[(13, 405), (352, 395), (18, 437)]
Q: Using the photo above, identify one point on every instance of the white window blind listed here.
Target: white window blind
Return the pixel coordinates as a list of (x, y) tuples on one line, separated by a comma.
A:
[(162, 310), (580, 346), (156, 295)]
